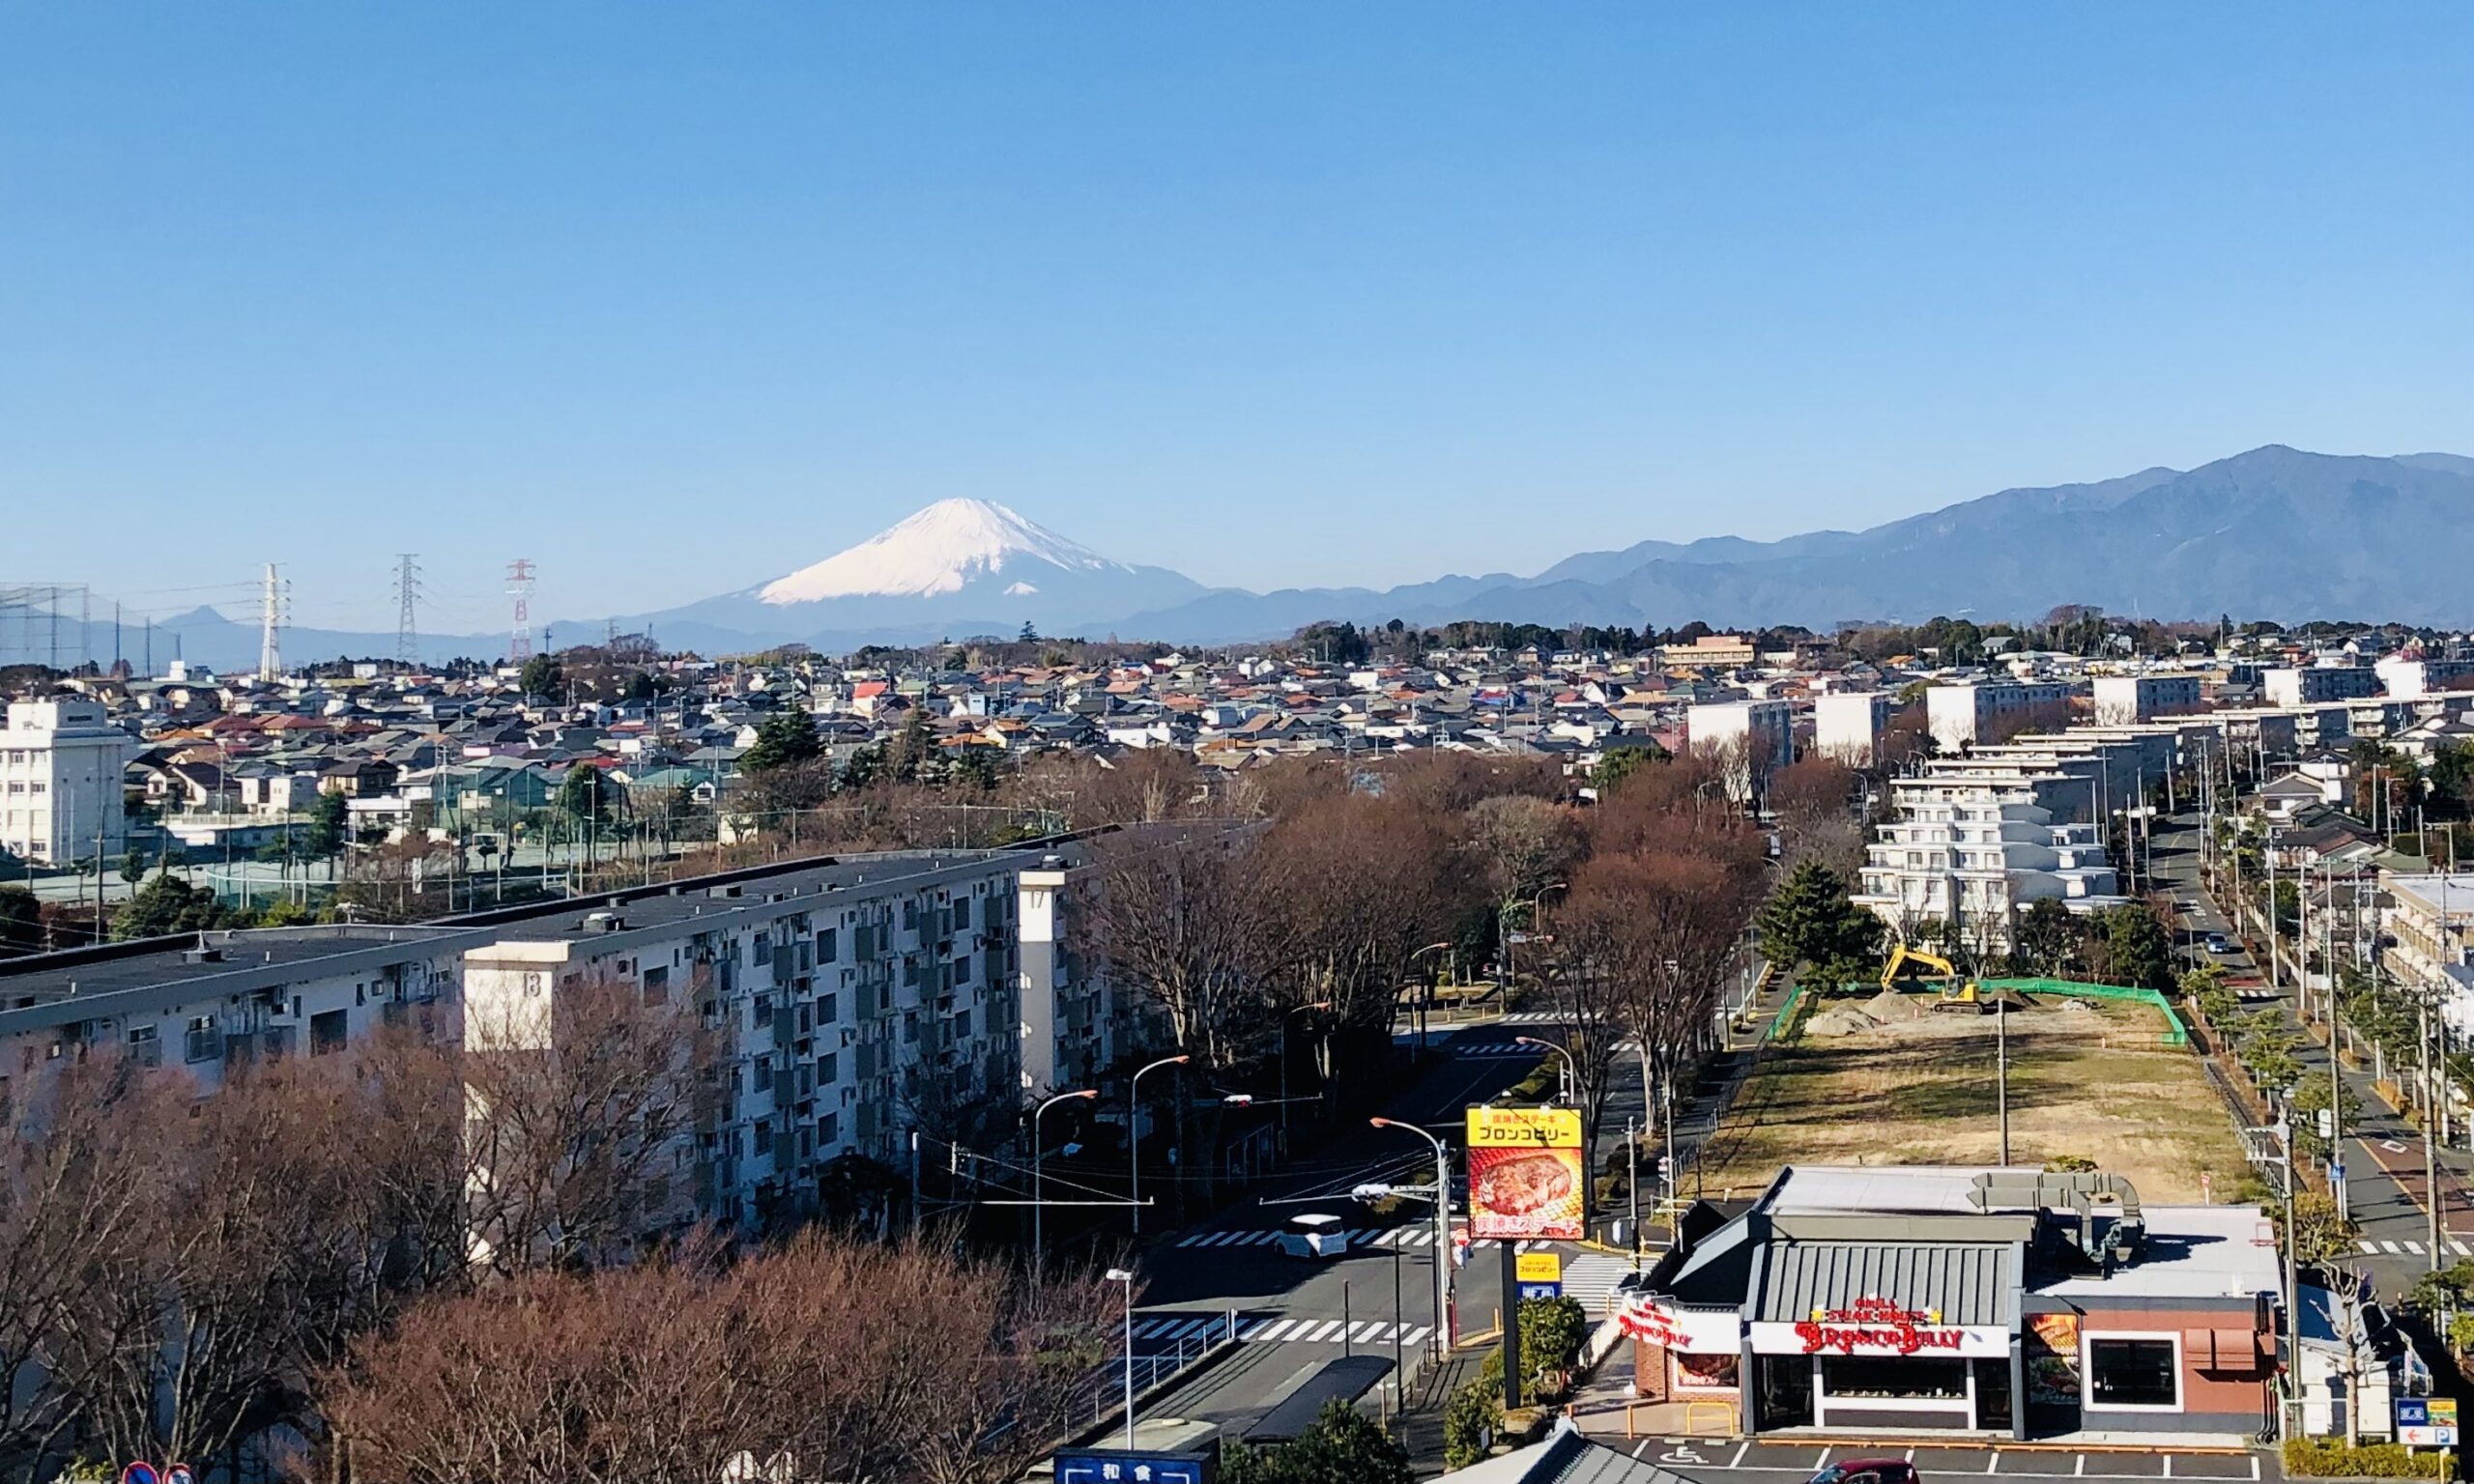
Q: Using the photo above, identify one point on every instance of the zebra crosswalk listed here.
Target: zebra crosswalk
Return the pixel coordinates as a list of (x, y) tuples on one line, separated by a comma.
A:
[(1416, 1235), (1535, 1018), (1591, 1277), (1494, 1049), (2409, 1246), (1275, 1329)]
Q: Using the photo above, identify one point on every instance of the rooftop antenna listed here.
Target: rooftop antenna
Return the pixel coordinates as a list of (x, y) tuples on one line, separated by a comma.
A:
[(408, 587), (519, 587)]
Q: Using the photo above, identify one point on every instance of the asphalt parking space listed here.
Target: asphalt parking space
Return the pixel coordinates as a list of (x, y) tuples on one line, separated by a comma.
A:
[(1781, 1462)]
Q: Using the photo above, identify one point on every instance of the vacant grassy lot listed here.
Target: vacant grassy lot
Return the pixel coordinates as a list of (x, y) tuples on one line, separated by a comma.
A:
[(1917, 1088)]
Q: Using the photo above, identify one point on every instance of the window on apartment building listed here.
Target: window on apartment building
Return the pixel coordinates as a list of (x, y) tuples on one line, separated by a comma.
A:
[(327, 1030), (910, 1028), (765, 1136), (202, 1041), (826, 943), (825, 1006), (144, 1049), (909, 914), (829, 1069), (764, 948), (657, 985), (828, 1129), (910, 969), (961, 913)]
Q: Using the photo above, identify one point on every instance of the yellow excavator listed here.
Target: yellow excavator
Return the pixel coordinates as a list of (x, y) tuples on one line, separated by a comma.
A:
[(1957, 993)]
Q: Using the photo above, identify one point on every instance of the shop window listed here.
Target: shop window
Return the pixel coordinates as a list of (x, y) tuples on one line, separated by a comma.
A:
[(1853, 1378), (2134, 1373)]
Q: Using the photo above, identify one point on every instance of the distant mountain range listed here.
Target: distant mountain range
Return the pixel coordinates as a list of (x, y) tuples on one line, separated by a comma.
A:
[(2273, 533)]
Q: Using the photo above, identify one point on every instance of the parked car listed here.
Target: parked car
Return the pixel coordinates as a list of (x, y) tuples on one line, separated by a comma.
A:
[(1314, 1236), (1869, 1470)]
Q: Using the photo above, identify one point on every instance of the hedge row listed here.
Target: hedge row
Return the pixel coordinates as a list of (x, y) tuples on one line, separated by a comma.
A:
[(2327, 1459)]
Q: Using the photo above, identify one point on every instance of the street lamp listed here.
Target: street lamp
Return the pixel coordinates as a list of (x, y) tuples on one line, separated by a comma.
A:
[(1124, 1275), (1425, 998), (1295, 1010), (1572, 1066), (1536, 905), (1039, 1262), (1442, 1226), (1134, 1136)]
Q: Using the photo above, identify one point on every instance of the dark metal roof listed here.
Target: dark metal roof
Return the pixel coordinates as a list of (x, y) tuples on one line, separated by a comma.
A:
[(1345, 1379), (1969, 1283)]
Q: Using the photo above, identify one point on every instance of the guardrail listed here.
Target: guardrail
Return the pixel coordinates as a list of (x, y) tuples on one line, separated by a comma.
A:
[(1102, 1393)]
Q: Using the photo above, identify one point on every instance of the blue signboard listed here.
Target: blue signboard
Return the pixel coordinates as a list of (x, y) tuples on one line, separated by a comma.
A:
[(1534, 1291), (1116, 1465)]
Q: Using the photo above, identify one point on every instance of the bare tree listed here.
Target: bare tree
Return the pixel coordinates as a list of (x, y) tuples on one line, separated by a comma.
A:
[(581, 1109)]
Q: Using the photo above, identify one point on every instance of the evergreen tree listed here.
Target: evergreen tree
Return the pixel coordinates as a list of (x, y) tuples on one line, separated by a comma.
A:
[(585, 793), (2048, 937), (2139, 949), (1342, 1445), (163, 905), (865, 769), (914, 755), (782, 740), (330, 824), (975, 768), (540, 676), (1810, 920), (1620, 763), (21, 920)]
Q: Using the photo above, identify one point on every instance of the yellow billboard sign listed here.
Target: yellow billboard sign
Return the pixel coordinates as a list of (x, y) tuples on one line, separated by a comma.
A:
[(1539, 1268), (1524, 1128)]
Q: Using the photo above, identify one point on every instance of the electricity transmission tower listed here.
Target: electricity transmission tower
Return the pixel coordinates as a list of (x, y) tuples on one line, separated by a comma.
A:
[(270, 628), (519, 587), (408, 587)]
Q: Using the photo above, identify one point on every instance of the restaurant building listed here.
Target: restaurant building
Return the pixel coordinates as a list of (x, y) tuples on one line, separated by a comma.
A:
[(2000, 1302)]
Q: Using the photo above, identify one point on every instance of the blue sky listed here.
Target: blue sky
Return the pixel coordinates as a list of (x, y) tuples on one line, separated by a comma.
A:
[(673, 299)]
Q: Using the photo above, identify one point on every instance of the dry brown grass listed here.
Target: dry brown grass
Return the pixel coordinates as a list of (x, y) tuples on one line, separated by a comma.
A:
[(2091, 1082)]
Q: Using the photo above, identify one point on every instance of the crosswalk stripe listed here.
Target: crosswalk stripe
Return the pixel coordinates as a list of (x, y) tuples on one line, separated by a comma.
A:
[(1279, 1330), (1327, 1330), (2390, 1245), (2460, 1247), (2414, 1248), (1254, 1329), (1366, 1330), (1416, 1334), (2368, 1246)]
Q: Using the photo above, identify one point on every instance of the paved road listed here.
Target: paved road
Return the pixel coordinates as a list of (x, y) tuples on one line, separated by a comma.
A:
[(1779, 1463), (1294, 1314), (2383, 1155)]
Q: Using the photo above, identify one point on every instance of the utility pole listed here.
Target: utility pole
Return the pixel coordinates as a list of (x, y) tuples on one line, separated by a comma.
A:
[(2001, 1069)]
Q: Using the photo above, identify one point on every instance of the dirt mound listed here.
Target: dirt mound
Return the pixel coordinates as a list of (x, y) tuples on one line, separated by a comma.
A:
[(1841, 1020), (1892, 1007), (2075, 1007)]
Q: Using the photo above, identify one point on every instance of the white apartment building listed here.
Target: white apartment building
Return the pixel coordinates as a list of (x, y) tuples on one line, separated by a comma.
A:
[(2431, 926), (2402, 679), (1750, 738), (2311, 685), (1848, 726), (1971, 851), (61, 763), (1961, 715), (855, 999), (2122, 699)]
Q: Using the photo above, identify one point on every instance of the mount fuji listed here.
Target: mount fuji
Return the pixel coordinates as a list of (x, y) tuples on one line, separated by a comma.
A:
[(958, 568)]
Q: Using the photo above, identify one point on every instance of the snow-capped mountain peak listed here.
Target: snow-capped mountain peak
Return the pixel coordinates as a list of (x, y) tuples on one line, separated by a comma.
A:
[(937, 551)]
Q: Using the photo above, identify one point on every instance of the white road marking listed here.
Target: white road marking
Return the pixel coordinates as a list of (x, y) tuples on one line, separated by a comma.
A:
[(2368, 1246), (1740, 1450), (2255, 1466), (1416, 1334), (2168, 1466), (2460, 1247), (2080, 1466), (2414, 1248), (1637, 1448), (2392, 1247), (1822, 1462), (1993, 1463)]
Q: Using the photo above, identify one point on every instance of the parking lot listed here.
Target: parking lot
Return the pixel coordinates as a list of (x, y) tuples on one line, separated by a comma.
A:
[(1774, 1463)]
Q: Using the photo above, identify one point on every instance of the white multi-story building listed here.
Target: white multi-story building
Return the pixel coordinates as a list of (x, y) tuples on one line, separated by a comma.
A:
[(2122, 699), (853, 1001), (1848, 726), (61, 763), (1960, 715), (1749, 738), (2404, 679), (1968, 852), (2430, 932), (2311, 685)]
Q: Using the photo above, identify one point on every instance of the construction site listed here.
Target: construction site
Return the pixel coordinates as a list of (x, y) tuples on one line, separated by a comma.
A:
[(1910, 1072)]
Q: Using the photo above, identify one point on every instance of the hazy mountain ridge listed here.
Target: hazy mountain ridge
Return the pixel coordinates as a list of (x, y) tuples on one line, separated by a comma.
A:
[(2273, 533)]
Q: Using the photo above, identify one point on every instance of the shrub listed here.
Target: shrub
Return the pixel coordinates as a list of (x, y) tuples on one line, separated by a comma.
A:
[(1470, 1420), (1552, 1333), (2326, 1457)]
